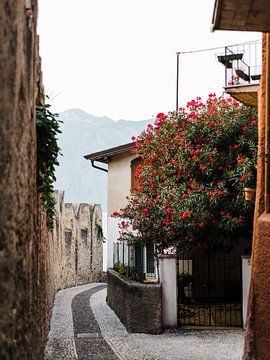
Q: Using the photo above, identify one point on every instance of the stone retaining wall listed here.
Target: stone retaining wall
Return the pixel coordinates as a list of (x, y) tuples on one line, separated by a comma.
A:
[(137, 305)]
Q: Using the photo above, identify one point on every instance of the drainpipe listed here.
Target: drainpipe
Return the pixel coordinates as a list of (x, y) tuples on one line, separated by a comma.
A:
[(98, 167), (177, 81)]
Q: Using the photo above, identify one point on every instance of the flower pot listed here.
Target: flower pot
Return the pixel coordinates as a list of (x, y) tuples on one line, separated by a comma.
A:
[(224, 59), (242, 74), (255, 77), (250, 194)]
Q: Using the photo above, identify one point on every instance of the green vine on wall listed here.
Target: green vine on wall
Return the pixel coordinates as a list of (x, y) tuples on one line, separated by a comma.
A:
[(48, 126), (100, 234)]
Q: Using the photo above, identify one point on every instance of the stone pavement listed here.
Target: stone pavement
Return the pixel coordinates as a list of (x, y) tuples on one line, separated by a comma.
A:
[(84, 327), (75, 333)]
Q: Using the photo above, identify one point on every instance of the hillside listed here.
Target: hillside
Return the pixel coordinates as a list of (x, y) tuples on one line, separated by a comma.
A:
[(83, 134)]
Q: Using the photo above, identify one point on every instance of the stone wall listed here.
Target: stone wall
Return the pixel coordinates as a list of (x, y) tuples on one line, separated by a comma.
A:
[(76, 243), (25, 293), (137, 305)]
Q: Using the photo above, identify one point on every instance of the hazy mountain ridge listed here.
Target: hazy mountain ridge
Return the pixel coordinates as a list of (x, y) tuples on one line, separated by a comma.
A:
[(84, 134)]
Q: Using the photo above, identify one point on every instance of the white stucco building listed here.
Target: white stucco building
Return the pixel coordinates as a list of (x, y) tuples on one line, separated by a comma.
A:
[(120, 166)]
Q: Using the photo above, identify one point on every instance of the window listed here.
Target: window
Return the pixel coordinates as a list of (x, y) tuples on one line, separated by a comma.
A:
[(134, 165)]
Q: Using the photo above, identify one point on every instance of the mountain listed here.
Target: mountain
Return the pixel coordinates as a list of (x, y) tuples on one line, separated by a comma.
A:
[(84, 134)]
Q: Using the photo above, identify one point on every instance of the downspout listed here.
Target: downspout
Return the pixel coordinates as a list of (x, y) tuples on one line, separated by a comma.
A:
[(98, 167)]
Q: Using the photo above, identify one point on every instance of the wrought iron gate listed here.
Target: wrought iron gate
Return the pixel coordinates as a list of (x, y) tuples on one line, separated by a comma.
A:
[(209, 289)]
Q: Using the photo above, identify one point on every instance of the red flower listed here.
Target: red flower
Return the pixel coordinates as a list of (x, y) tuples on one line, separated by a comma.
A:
[(185, 214), (161, 117), (240, 160), (202, 225)]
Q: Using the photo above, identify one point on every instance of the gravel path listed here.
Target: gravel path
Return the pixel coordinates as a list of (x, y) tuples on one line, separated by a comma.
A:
[(171, 345), (79, 331), (67, 319)]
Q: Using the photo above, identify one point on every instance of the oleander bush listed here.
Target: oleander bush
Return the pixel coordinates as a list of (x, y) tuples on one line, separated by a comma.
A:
[(196, 163)]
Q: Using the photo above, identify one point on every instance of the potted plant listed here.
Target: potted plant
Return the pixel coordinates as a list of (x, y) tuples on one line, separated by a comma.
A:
[(256, 77), (229, 57), (250, 193), (184, 279)]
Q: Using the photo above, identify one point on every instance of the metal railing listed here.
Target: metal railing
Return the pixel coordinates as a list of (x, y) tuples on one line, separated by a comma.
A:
[(242, 63), (136, 262)]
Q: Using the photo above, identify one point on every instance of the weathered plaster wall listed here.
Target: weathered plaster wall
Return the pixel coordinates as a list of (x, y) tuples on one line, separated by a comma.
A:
[(76, 243), (119, 180), (24, 290), (257, 338)]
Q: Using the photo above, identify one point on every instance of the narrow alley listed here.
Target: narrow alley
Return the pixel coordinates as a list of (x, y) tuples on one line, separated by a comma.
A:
[(84, 327)]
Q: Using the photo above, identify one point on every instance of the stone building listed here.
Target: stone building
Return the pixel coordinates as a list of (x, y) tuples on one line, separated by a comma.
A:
[(254, 15), (29, 272), (25, 290)]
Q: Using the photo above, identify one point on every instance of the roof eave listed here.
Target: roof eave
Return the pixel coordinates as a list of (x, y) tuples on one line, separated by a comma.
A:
[(105, 155), (243, 15)]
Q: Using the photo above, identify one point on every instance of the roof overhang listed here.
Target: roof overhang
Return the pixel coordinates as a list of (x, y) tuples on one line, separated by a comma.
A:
[(242, 15), (246, 94), (104, 156)]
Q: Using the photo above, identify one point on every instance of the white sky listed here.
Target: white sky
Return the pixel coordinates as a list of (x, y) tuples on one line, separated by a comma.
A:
[(117, 57)]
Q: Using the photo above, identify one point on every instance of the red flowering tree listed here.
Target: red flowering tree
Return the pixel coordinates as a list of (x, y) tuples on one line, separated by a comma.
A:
[(196, 163)]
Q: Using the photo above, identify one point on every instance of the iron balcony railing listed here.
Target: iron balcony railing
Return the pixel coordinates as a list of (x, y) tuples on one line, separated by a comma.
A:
[(242, 63)]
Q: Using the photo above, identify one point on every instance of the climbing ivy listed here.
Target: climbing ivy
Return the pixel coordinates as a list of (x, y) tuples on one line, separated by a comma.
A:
[(48, 126), (100, 234)]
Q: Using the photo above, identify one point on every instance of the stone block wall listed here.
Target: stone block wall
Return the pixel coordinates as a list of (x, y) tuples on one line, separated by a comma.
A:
[(25, 292), (137, 305), (29, 269), (76, 243)]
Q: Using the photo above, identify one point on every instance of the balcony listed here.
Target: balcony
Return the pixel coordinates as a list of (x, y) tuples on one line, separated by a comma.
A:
[(242, 65)]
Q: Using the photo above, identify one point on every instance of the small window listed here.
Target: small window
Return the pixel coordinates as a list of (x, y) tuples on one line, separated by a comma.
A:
[(134, 165)]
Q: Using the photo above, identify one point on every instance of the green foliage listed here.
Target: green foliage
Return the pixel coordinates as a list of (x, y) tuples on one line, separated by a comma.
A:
[(48, 127), (184, 279), (196, 164), (124, 270), (100, 234)]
